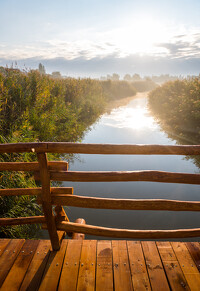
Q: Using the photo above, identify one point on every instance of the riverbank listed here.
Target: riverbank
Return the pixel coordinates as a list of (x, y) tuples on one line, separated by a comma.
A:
[(37, 107)]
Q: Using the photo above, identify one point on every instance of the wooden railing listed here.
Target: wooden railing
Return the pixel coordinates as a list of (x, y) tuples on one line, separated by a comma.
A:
[(58, 224)]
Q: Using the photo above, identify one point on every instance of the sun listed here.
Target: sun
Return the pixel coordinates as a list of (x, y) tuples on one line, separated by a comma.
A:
[(141, 35)]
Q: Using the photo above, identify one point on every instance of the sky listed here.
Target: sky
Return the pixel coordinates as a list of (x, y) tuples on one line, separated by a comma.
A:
[(95, 38)]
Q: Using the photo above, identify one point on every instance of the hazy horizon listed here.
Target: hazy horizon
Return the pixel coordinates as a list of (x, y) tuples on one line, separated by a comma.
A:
[(95, 38)]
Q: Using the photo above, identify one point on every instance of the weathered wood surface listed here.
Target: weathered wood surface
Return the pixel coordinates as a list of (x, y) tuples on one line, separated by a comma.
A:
[(127, 233), (46, 200), (98, 265), (124, 204), (35, 191), (76, 235), (32, 166), (121, 149), (126, 176), (22, 220)]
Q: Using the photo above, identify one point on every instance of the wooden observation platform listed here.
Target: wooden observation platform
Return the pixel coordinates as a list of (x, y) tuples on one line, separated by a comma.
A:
[(78, 264)]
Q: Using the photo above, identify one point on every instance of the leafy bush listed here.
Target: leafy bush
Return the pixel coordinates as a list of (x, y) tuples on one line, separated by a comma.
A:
[(177, 105)]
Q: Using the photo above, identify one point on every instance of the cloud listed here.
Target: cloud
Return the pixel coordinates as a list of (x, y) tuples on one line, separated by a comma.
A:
[(183, 46)]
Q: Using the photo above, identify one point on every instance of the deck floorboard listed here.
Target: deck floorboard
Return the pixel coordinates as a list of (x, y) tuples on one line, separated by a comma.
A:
[(99, 265)]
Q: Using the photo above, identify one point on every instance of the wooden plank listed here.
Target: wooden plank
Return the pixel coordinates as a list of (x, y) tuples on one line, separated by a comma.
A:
[(172, 268), (187, 264), (121, 149), (20, 266), (61, 190), (23, 147), (37, 266), (22, 220), (104, 273), (122, 275), (124, 204), (20, 191), (8, 257), (46, 201), (154, 266), (139, 275), (35, 191), (194, 249), (126, 233), (76, 235), (126, 176), (60, 216), (3, 244), (53, 269), (69, 273), (86, 276), (32, 166)]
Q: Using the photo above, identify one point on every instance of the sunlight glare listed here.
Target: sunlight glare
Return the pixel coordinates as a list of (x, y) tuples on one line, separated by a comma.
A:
[(133, 117), (141, 36)]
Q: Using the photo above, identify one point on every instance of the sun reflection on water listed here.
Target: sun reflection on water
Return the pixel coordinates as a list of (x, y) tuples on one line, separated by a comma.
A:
[(135, 116)]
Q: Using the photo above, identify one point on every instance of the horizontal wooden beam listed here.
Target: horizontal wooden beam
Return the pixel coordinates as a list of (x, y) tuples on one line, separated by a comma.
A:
[(121, 149), (22, 220), (146, 176), (123, 204), (20, 191), (23, 147), (127, 233), (35, 191), (32, 166)]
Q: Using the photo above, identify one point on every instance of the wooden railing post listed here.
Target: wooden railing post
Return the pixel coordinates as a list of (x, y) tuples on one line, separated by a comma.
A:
[(46, 200)]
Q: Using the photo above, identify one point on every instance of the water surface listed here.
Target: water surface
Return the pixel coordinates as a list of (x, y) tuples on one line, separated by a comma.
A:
[(133, 124)]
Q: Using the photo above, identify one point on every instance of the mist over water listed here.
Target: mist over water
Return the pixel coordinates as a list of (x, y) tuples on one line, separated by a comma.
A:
[(133, 124)]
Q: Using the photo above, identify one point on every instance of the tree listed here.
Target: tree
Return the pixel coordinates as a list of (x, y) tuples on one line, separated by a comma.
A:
[(127, 77), (136, 77), (115, 77), (41, 69)]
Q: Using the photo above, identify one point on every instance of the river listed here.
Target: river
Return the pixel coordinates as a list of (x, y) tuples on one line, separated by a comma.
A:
[(133, 124)]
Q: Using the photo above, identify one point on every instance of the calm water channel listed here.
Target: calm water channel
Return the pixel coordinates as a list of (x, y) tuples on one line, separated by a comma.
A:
[(133, 124)]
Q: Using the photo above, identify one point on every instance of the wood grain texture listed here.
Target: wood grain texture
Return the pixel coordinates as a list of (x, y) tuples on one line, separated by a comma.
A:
[(172, 268), (17, 272), (187, 265), (126, 176), (104, 270), (194, 249), (154, 266), (37, 266), (8, 257), (46, 201), (86, 276), (53, 269), (76, 235), (3, 244), (69, 273), (121, 149), (127, 233), (122, 275), (32, 166), (124, 204), (139, 275), (22, 220), (21, 191)]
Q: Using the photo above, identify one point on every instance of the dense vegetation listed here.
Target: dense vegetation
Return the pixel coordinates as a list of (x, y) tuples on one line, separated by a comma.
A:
[(177, 105), (37, 107)]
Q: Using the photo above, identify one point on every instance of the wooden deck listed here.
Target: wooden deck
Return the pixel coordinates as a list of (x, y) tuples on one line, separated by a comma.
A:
[(99, 265)]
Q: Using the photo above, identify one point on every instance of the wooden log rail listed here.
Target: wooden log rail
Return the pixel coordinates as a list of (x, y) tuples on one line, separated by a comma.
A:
[(58, 224)]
